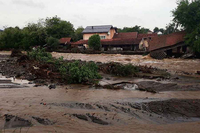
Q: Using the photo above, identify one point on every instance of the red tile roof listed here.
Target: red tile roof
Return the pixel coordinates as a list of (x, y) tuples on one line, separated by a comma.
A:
[(80, 42), (126, 35), (118, 41), (129, 41), (140, 36), (65, 40), (166, 40)]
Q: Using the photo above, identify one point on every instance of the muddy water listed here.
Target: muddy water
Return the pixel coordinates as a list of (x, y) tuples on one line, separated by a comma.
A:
[(98, 110), (173, 65), (26, 103)]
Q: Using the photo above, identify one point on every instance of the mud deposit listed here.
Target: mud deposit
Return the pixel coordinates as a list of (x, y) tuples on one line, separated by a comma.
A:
[(163, 106)]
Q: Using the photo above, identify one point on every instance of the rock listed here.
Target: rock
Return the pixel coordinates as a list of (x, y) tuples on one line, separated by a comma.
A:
[(159, 79), (16, 53), (198, 72), (15, 122), (107, 78), (52, 86), (31, 82)]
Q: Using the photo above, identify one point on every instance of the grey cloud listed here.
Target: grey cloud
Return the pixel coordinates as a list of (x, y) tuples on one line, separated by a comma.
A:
[(29, 3), (1, 2)]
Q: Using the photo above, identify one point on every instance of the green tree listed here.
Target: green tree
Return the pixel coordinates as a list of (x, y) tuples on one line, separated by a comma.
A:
[(134, 29), (171, 28), (156, 30), (162, 30), (11, 38), (52, 42), (95, 42), (78, 33), (187, 16), (34, 34), (58, 28)]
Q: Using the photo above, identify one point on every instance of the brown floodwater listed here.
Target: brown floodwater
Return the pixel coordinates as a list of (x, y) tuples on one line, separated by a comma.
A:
[(26, 102), (175, 65), (58, 105)]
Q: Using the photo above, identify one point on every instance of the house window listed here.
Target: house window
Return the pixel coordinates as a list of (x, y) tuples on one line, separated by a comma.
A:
[(103, 37)]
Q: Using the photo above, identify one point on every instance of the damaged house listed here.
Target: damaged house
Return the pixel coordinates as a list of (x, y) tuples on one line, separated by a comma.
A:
[(158, 46)]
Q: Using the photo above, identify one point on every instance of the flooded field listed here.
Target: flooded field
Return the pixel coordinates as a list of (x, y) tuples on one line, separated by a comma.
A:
[(26, 108), (173, 65)]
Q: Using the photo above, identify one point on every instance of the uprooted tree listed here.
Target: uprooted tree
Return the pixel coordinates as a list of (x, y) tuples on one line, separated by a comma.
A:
[(94, 42), (187, 16)]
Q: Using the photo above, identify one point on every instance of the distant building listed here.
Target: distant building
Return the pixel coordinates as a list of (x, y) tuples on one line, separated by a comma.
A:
[(65, 41), (112, 40), (104, 31)]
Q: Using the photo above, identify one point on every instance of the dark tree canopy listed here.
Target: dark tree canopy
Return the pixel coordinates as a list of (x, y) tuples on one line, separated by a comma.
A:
[(171, 28), (94, 42), (134, 29), (36, 34), (187, 16), (58, 28), (78, 33)]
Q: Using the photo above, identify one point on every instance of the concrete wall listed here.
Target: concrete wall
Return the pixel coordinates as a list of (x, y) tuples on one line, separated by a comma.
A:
[(108, 36)]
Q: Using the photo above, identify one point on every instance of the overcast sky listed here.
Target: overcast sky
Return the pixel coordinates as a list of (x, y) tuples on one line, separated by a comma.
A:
[(119, 13)]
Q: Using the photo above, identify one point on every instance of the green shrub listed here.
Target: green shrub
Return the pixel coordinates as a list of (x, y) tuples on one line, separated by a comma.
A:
[(120, 70), (40, 55), (94, 42), (52, 42), (77, 72)]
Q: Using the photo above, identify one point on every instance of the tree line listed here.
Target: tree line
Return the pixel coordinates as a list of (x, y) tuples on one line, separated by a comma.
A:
[(44, 32)]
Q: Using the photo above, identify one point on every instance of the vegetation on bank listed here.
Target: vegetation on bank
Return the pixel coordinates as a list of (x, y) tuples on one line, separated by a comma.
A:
[(72, 72), (120, 69)]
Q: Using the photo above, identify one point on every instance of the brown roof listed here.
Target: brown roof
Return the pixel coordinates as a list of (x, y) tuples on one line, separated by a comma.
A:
[(166, 40), (126, 35), (140, 36), (118, 41), (66, 40), (80, 42), (129, 41)]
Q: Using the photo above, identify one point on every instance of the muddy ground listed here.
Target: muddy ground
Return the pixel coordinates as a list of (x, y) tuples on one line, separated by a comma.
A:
[(164, 105)]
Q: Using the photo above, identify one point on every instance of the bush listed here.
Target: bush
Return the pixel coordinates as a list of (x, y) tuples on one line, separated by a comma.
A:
[(40, 55), (94, 42), (119, 69), (52, 43), (77, 72)]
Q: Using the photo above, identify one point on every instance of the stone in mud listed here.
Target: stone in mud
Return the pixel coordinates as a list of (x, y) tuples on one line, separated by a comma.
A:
[(14, 122), (173, 108), (97, 120), (16, 53), (52, 86), (43, 121), (198, 72), (82, 117)]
